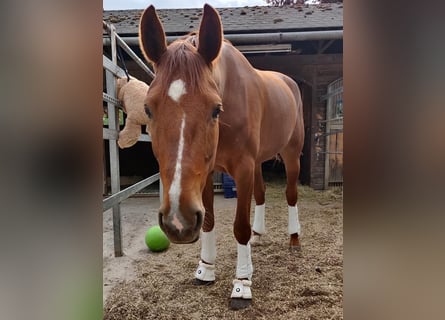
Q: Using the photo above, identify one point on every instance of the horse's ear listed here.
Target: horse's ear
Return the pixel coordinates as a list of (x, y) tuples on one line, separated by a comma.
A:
[(151, 35), (210, 34)]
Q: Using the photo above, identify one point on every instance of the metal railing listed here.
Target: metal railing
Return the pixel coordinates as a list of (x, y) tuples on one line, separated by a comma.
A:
[(112, 71), (333, 134)]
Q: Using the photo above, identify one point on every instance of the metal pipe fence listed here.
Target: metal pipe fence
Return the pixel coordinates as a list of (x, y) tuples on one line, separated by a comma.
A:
[(333, 134), (113, 71)]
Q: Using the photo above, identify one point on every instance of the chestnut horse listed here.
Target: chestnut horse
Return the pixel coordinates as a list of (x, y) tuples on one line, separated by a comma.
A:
[(209, 110)]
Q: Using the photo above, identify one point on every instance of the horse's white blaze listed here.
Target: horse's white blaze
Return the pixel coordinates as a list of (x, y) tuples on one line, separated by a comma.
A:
[(208, 246), (244, 267), (293, 222), (259, 225), (175, 188), (176, 90), (176, 222)]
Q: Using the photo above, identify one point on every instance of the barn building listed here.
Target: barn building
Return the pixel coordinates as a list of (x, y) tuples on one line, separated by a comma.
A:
[(304, 42)]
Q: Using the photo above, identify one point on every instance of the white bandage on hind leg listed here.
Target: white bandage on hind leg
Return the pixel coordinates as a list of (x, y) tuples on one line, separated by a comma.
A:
[(259, 225), (244, 267), (208, 246), (293, 222)]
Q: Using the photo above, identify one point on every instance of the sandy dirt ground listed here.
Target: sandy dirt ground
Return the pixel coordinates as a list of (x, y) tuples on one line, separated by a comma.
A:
[(286, 285)]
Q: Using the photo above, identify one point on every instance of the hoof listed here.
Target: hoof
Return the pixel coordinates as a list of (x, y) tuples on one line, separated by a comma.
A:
[(294, 240), (198, 282), (255, 240), (239, 303), (296, 250)]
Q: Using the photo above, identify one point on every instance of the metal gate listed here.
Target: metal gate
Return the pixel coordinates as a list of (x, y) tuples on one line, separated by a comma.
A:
[(334, 134), (112, 70)]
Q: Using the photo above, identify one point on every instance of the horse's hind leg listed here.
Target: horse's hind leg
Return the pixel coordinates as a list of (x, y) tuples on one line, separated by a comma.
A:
[(291, 158), (259, 190)]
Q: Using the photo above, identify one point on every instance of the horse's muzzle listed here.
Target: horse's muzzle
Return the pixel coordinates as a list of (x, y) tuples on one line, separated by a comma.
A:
[(179, 229)]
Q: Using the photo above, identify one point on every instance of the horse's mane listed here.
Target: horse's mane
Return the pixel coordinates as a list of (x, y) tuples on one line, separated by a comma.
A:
[(182, 61)]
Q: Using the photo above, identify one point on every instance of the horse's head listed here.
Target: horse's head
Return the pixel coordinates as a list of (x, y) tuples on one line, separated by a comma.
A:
[(183, 104)]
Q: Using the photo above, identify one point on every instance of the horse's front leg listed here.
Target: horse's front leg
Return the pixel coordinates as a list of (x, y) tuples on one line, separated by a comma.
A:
[(241, 296), (205, 274)]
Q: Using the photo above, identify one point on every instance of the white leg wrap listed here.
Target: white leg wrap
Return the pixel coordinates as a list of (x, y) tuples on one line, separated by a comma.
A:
[(259, 225), (208, 246), (293, 222), (205, 272), (241, 289), (244, 267)]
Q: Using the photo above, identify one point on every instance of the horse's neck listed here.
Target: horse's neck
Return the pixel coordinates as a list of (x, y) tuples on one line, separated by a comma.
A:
[(229, 63)]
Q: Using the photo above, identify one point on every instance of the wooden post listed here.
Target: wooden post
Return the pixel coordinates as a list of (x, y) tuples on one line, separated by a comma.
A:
[(327, 137)]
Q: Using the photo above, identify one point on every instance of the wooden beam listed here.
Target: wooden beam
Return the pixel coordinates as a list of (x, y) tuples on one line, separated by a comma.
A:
[(326, 45)]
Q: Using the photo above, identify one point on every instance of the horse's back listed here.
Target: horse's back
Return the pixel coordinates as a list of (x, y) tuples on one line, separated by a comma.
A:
[(262, 109)]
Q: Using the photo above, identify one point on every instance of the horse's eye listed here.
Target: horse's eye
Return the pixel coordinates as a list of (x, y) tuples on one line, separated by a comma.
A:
[(147, 111), (216, 111)]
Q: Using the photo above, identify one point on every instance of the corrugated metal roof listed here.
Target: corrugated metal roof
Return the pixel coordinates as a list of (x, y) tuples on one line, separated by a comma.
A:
[(238, 20)]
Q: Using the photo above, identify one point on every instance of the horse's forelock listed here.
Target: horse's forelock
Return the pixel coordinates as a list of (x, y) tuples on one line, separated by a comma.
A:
[(182, 61)]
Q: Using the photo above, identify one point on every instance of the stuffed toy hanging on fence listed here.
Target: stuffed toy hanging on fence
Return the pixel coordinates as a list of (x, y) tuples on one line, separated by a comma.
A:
[(132, 94)]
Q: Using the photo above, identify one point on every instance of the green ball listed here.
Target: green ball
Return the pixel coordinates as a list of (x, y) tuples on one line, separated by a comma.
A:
[(156, 240)]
